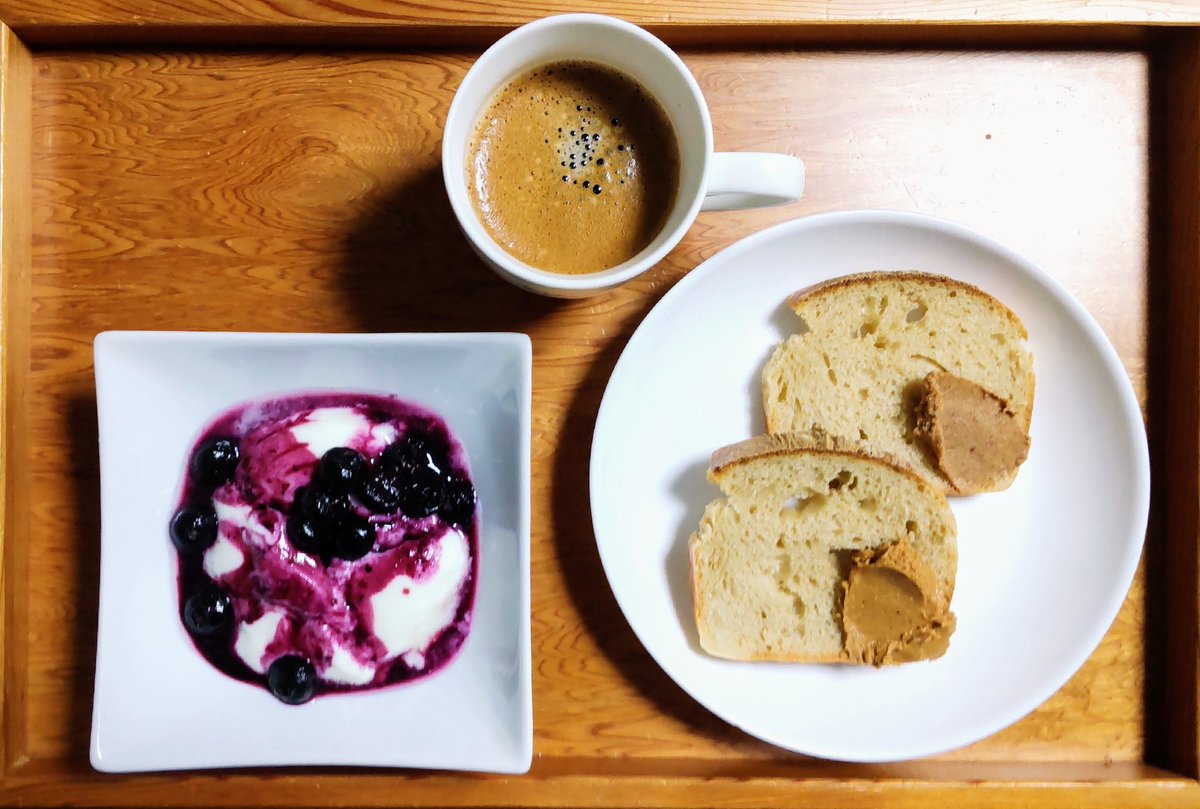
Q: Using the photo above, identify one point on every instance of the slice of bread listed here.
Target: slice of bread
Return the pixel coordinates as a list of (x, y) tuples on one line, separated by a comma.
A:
[(770, 558), (857, 365)]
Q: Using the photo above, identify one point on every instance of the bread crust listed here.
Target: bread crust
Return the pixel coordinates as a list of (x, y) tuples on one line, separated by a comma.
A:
[(932, 279), (817, 443), (694, 587)]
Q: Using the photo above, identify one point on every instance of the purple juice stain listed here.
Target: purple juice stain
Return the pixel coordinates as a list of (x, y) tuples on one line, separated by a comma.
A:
[(325, 602)]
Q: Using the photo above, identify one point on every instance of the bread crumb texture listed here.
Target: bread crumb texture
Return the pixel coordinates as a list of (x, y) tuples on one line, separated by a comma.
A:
[(856, 366), (769, 558)]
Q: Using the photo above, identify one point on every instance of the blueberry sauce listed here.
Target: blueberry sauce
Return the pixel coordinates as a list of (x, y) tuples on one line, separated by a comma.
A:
[(327, 542)]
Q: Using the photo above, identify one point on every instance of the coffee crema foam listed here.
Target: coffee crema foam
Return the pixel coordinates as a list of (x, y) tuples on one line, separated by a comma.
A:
[(573, 167)]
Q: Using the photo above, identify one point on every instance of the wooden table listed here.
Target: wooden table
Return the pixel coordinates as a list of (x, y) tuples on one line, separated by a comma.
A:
[(267, 165)]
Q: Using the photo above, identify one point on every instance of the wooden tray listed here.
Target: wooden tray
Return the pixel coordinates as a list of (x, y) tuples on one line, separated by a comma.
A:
[(273, 166)]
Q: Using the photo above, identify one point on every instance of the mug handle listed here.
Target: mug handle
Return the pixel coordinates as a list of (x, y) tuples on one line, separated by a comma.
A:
[(739, 180)]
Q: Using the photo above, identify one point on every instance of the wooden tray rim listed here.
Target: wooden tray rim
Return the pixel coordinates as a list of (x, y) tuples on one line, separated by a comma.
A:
[(23, 781)]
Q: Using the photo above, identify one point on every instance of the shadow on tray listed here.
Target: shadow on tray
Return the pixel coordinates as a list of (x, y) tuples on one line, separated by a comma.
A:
[(406, 267), (579, 558), (84, 477)]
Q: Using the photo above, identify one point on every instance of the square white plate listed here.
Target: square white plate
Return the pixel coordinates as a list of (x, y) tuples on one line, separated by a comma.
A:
[(159, 705)]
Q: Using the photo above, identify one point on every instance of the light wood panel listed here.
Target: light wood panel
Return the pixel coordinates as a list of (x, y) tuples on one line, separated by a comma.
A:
[(1081, 788), (302, 192), (16, 194), (23, 14)]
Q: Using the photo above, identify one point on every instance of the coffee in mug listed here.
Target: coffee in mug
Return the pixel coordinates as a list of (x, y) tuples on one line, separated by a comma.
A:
[(573, 167), (536, 234)]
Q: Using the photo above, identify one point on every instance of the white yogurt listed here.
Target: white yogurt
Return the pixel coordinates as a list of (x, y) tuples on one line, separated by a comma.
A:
[(410, 613), (344, 669), (328, 427), (243, 519), (254, 638), (223, 557)]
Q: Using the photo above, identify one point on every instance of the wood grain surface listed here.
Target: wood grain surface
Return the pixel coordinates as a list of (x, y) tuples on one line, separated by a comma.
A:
[(302, 192), (26, 14), (16, 192)]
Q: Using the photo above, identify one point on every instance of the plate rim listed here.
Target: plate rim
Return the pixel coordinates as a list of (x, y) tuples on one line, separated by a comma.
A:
[(1129, 409)]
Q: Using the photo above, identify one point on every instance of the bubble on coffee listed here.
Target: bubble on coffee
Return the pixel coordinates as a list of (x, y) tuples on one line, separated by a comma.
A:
[(573, 167)]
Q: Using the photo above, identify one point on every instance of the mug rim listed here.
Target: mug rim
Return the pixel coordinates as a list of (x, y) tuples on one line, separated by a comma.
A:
[(526, 275)]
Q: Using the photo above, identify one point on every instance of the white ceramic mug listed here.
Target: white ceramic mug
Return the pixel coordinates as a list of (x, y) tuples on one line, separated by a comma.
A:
[(707, 181)]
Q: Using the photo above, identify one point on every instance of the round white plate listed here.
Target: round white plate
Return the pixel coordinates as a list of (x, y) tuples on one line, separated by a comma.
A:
[(1043, 566)]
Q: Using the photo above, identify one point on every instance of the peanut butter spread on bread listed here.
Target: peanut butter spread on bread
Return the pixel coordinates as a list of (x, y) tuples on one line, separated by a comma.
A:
[(893, 610), (976, 439)]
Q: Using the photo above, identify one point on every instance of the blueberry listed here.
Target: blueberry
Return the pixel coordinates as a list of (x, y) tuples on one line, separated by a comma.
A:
[(354, 539), (292, 679), (321, 506), (458, 500), (194, 528), (422, 496), (380, 493), (396, 457), (414, 451), (208, 612), (303, 533), (342, 468), (215, 461)]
